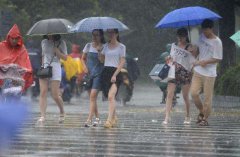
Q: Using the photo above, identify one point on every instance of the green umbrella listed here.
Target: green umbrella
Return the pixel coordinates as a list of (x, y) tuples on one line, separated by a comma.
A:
[(236, 38)]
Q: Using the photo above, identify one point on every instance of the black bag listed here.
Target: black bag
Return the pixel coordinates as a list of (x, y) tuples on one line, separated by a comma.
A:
[(86, 82), (47, 71), (164, 72), (44, 72)]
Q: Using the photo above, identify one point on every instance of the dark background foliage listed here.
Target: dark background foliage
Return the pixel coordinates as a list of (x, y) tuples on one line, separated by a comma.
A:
[(142, 40)]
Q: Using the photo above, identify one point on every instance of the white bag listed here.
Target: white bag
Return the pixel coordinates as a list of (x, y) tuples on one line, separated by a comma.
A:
[(171, 73)]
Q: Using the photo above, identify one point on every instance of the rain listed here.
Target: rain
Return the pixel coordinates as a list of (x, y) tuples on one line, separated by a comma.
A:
[(119, 78)]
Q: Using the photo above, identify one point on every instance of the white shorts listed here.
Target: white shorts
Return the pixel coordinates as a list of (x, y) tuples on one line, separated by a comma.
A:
[(56, 71)]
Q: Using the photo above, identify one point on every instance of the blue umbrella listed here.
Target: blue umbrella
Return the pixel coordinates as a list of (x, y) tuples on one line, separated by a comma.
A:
[(91, 23), (189, 16)]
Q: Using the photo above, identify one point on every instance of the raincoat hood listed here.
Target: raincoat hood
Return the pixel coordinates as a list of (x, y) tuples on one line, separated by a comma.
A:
[(14, 33)]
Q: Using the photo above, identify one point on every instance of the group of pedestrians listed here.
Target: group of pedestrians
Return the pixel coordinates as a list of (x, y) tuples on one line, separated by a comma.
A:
[(102, 63), (195, 71)]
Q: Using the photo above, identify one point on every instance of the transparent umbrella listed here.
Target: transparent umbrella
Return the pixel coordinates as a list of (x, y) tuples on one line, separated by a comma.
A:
[(91, 23), (50, 26)]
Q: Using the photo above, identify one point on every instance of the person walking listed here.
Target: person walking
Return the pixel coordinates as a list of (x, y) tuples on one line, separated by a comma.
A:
[(183, 63), (53, 49), (113, 55), (205, 70), (93, 67)]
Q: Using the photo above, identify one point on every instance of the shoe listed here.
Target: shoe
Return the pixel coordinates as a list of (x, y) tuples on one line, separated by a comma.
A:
[(165, 122), (41, 120), (115, 121), (108, 124), (203, 123), (88, 123), (61, 118), (199, 118), (97, 122), (187, 120)]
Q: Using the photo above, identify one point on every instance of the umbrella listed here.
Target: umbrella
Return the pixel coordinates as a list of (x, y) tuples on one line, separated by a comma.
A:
[(91, 23), (50, 26), (188, 16), (236, 38)]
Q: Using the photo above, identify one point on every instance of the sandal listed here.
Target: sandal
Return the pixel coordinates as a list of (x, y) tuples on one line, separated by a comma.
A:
[(108, 124), (203, 123), (88, 123), (96, 122), (61, 118), (199, 118), (165, 122), (115, 121), (41, 120)]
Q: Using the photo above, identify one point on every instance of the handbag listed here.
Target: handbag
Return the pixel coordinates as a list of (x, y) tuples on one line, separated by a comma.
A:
[(47, 71), (44, 72), (88, 78), (86, 82), (164, 72)]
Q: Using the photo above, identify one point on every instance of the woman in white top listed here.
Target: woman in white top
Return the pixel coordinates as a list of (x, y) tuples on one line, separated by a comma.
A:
[(93, 67), (53, 49), (113, 55), (183, 61)]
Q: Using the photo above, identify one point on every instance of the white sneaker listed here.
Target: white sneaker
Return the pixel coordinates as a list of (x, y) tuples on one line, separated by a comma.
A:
[(187, 120), (165, 122), (97, 122)]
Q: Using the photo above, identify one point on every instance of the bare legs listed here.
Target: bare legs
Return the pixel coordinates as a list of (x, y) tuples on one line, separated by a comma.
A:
[(111, 120), (112, 102), (93, 104), (170, 94), (55, 91)]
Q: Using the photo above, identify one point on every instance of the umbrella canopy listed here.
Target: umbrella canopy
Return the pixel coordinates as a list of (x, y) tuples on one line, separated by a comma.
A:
[(91, 23), (50, 26), (236, 38), (188, 16)]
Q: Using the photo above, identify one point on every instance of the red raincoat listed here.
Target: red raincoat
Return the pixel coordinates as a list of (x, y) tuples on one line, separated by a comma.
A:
[(16, 55)]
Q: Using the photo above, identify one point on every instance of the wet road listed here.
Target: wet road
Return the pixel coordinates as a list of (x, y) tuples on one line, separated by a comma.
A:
[(139, 131)]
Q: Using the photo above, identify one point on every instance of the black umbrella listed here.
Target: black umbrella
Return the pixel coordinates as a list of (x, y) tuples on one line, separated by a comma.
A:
[(50, 26)]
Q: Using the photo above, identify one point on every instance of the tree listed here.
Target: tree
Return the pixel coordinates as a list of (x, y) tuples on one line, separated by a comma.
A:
[(227, 28)]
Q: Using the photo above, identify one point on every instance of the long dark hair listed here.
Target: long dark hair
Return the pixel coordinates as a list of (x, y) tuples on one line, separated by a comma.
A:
[(117, 32), (183, 32), (101, 33), (56, 37)]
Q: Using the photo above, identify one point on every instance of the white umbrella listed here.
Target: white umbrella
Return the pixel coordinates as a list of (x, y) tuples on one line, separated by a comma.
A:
[(91, 23)]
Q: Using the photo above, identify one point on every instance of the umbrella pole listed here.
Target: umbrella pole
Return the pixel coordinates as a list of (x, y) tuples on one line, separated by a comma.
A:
[(189, 32)]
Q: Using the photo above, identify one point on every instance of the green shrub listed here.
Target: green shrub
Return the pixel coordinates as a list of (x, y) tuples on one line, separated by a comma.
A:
[(229, 83)]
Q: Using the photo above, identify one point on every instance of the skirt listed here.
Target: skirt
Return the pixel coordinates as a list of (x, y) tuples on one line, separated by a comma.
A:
[(182, 76), (106, 76)]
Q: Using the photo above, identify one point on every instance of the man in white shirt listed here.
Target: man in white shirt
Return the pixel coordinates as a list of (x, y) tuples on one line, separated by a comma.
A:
[(205, 70)]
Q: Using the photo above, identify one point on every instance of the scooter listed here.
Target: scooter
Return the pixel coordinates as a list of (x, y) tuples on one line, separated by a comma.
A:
[(163, 85), (12, 82)]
